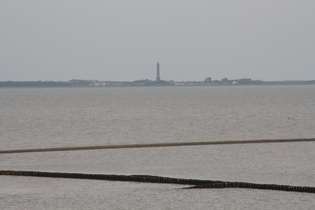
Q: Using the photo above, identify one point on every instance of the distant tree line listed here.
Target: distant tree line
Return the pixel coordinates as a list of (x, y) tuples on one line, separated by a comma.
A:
[(34, 84), (226, 81), (71, 83)]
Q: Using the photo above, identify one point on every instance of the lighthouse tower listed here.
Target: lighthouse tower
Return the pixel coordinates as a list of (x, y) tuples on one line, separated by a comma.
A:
[(158, 72)]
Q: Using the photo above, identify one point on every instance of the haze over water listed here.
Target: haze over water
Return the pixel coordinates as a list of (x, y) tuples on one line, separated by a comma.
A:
[(57, 117)]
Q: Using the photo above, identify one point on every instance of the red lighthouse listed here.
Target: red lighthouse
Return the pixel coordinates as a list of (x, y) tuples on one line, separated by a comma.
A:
[(158, 72)]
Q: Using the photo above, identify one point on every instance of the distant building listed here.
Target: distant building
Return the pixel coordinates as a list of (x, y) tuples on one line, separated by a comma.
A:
[(245, 81), (158, 78), (97, 84), (208, 80)]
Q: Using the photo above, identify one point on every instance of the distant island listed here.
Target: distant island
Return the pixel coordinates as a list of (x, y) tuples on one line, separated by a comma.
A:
[(96, 83)]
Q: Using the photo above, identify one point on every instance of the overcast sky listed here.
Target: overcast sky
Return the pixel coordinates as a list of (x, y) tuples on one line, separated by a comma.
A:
[(124, 39)]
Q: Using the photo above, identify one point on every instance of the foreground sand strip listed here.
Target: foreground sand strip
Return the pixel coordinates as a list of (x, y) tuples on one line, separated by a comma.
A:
[(176, 144), (196, 183)]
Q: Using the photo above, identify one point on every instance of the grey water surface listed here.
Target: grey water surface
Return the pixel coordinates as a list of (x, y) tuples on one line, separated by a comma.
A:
[(58, 117)]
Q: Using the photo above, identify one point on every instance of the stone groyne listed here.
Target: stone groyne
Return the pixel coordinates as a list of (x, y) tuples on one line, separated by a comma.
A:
[(171, 144), (195, 183)]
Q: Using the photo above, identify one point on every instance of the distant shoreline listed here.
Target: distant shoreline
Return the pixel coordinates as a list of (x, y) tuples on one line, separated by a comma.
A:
[(149, 83)]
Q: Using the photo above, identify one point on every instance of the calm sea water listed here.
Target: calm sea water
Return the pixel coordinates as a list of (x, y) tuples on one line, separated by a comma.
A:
[(56, 117)]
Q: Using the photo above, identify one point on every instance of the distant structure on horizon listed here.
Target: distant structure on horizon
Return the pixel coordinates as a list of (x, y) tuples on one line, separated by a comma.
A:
[(158, 72)]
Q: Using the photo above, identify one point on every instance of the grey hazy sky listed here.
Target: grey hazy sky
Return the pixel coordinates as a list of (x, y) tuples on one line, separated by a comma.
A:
[(124, 39)]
